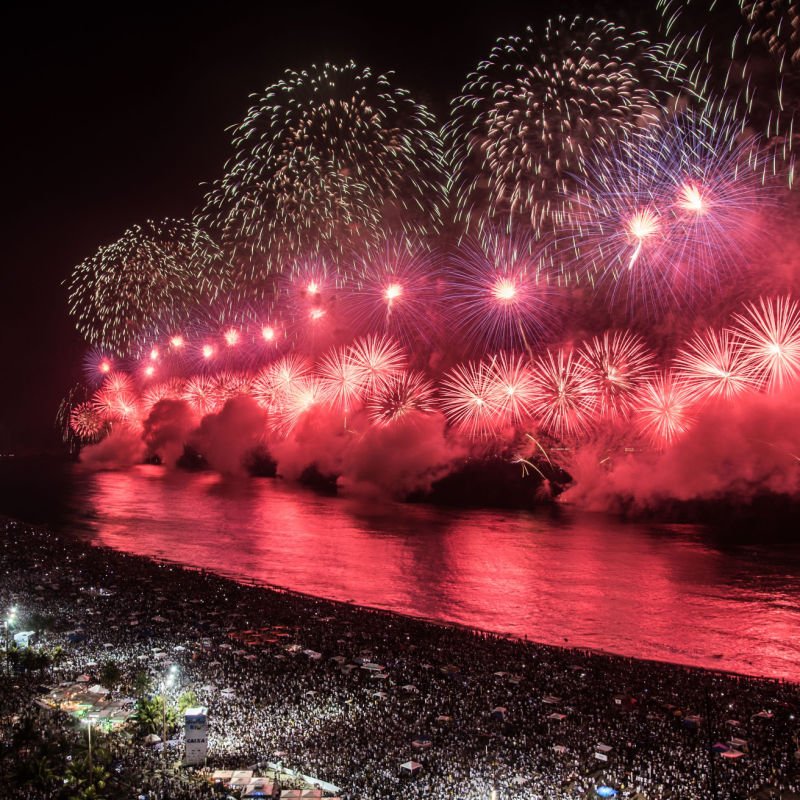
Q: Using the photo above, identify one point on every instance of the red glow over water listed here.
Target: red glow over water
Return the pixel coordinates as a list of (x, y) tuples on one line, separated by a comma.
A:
[(672, 593)]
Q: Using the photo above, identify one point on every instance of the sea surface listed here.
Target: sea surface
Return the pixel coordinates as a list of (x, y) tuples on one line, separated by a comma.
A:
[(681, 593)]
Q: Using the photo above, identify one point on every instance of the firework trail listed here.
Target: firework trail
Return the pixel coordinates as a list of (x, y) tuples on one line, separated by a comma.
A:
[(145, 283), (325, 160), (529, 114)]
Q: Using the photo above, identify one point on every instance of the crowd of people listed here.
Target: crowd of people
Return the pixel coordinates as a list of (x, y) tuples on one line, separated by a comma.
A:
[(384, 706)]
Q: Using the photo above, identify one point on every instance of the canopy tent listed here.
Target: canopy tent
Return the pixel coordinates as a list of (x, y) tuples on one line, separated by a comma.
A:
[(410, 767)]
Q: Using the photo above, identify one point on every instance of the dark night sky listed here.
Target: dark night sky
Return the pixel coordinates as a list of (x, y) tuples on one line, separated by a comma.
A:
[(111, 120)]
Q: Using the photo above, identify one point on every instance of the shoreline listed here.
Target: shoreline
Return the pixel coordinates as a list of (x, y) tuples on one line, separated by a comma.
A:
[(449, 624), (344, 692)]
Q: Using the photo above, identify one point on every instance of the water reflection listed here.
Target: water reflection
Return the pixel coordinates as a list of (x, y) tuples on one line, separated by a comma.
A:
[(665, 592)]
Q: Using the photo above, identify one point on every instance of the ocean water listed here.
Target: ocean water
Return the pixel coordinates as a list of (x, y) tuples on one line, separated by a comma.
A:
[(682, 593)]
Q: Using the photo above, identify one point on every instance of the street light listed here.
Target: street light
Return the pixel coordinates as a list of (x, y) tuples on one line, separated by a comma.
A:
[(89, 719), (168, 681)]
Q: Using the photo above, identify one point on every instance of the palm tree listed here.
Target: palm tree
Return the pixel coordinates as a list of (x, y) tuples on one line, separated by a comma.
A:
[(110, 674)]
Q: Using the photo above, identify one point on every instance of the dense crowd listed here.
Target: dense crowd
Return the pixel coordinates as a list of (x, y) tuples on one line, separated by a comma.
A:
[(349, 695)]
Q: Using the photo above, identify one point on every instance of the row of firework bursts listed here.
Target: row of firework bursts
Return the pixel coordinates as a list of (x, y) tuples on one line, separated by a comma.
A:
[(566, 394)]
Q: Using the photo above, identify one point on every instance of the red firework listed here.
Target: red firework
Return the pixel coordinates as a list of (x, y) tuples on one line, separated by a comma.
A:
[(663, 410), (769, 334), (470, 400), (565, 394), (400, 395), (513, 386), (342, 380), (618, 363), (86, 422), (377, 358), (200, 392), (169, 390), (714, 364)]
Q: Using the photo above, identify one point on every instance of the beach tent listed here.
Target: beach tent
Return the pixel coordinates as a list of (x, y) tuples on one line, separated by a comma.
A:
[(240, 778), (421, 743), (410, 767), (732, 754), (259, 787)]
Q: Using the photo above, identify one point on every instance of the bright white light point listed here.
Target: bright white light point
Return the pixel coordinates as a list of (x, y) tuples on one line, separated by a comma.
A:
[(393, 291), (268, 333), (232, 337), (208, 351), (505, 290), (643, 224), (317, 313), (313, 287), (154, 354), (691, 198), (150, 371), (176, 342), (105, 366)]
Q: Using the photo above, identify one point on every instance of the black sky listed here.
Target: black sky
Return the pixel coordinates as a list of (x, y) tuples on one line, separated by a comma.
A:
[(113, 119)]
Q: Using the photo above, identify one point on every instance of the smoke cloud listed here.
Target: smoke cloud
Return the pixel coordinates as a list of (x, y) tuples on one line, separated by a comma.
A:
[(738, 449), (121, 449)]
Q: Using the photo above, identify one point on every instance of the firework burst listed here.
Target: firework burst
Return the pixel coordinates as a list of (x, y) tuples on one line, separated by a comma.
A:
[(400, 395), (769, 335), (470, 401), (618, 363), (714, 364), (529, 113), (144, 284), (663, 411), (500, 292), (87, 422), (564, 394), (324, 161)]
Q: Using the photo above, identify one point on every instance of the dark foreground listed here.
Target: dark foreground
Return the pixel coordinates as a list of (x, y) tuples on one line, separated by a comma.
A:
[(486, 712)]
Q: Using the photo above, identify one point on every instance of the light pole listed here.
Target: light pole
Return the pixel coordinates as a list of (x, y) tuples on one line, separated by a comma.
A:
[(7, 623), (168, 681), (89, 720)]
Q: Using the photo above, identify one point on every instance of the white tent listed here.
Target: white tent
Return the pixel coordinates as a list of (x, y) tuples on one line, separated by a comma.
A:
[(410, 767)]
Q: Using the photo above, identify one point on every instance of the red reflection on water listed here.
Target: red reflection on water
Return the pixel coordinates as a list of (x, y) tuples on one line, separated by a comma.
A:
[(644, 591)]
